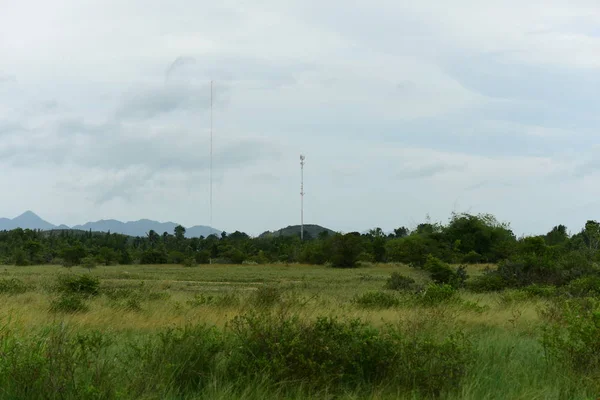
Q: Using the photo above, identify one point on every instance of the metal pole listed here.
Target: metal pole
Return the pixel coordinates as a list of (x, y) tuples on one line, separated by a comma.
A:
[(302, 197)]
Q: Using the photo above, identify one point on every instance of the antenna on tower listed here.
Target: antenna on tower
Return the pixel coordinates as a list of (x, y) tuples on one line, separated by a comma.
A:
[(211, 154), (302, 197)]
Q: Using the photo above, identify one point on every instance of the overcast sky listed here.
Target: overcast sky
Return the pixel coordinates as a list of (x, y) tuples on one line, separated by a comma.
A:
[(403, 109)]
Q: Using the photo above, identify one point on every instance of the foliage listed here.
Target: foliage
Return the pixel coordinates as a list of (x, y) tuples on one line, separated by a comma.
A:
[(86, 285), (442, 273), (330, 353), (12, 286), (224, 300), (267, 296), (345, 250), (68, 303), (377, 300), (490, 281), (588, 286), (397, 281), (182, 359), (435, 294), (573, 339)]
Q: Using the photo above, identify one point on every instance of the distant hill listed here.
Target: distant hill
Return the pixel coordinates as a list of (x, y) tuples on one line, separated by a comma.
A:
[(30, 220), (312, 231), (27, 220)]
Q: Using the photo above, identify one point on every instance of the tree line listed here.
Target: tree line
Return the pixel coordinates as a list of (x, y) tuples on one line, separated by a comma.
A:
[(465, 238)]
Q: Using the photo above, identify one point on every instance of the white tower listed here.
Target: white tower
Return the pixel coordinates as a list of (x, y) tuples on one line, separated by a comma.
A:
[(302, 197)]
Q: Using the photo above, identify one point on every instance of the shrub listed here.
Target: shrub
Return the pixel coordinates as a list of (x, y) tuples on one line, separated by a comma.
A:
[(12, 286), (226, 300), (154, 257), (189, 262), (202, 257), (89, 262), (442, 273), (327, 353), (376, 300), (472, 257), (397, 281), (267, 296), (86, 285), (541, 291), (435, 294), (573, 338), (57, 364), (176, 257), (68, 303), (182, 360), (21, 258), (489, 282), (345, 250), (583, 287)]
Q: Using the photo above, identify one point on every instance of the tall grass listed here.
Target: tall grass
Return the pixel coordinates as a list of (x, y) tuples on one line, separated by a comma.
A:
[(256, 332)]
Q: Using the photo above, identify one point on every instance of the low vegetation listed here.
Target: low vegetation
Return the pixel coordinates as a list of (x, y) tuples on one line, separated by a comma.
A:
[(461, 311)]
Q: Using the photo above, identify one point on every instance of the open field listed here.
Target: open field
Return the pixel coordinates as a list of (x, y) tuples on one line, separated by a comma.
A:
[(138, 305)]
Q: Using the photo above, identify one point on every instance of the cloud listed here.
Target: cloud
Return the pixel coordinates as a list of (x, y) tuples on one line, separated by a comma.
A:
[(178, 63), (428, 171), (484, 103), (5, 78), (150, 102)]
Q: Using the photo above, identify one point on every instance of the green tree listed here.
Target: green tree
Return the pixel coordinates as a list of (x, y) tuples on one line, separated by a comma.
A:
[(345, 250), (179, 233)]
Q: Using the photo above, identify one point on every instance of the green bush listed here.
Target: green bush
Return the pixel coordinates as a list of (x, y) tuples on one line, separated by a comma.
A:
[(176, 257), (202, 257), (225, 300), (541, 291), (584, 287), (21, 258), (154, 257), (572, 338), (345, 250), (488, 282), (57, 364), (442, 273), (189, 262), (397, 281), (472, 257), (89, 262), (68, 303), (183, 360), (435, 294), (376, 300), (267, 296), (12, 286), (327, 353), (86, 285)]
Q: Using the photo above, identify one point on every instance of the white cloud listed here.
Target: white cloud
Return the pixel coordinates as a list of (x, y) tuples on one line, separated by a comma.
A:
[(402, 109)]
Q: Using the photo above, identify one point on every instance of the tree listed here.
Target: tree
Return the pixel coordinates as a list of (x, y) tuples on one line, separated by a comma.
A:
[(179, 232), (153, 238), (401, 232), (345, 250), (592, 234), (558, 235), (73, 255)]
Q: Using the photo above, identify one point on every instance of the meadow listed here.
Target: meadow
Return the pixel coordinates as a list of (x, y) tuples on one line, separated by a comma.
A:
[(278, 331)]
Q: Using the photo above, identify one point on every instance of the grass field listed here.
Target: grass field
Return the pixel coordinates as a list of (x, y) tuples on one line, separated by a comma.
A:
[(139, 306)]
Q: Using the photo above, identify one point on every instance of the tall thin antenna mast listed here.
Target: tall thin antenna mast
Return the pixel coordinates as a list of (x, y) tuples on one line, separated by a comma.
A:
[(302, 197), (211, 154)]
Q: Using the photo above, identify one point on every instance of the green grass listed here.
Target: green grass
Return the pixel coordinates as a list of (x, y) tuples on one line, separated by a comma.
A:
[(168, 332)]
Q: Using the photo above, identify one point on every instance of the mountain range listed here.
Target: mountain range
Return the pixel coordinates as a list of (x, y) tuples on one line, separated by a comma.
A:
[(29, 220)]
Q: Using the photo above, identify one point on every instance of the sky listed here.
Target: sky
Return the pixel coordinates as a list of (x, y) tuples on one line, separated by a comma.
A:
[(404, 110)]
